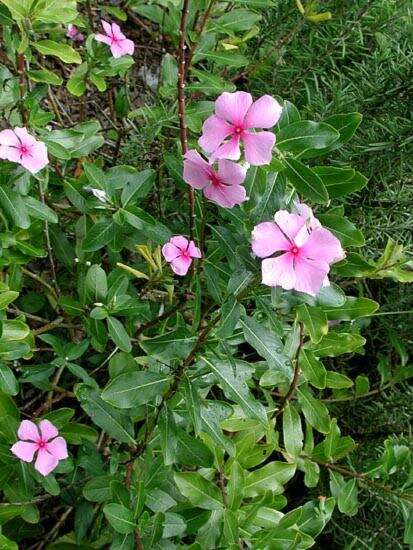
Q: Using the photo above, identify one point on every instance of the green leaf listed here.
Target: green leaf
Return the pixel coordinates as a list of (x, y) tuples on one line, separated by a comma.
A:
[(230, 314), (315, 412), (270, 477), (37, 209), (131, 389), (46, 76), (353, 308), (343, 229), (99, 235), (305, 135), (268, 345), (114, 422), (8, 382), (120, 518), (236, 485), (98, 489), (235, 388), (96, 285), (337, 343), (118, 334), (14, 207), (192, 451), (347, 499), (137, 187), (58, 49), (346, 124), (305, 181), (199, 491), (313, 369), (236, 21), (292, 430), (315, 321), (340, 182), (169, 346), (14, 330), (337, 381), (7, 297)]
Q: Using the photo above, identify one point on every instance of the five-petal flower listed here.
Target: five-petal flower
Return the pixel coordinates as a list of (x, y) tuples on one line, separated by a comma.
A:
[(19, 146), (179, 252), (114, 37)]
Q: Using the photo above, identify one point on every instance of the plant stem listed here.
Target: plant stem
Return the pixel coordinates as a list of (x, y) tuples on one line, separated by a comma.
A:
[(291, 390), (182, 70), (21, 70), (49, 247)]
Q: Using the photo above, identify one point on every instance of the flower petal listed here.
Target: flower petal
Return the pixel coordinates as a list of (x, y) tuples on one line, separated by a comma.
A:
[(231, 173), (9, 153), (118, 49), (170, 252), (322, 245), (36, 159), (128, 46), (28, 431), (226, 195), (267, 239), (103, 38), (24, 450), (233, 106), (279, 271), (194, 251), (48, 430), (310, 275), (116, 32), (8, 137), (181, 265), (258, 147), (263, 113), (180, 241), (45, 462), (306, 212), (229, 150), (290, 224), (58, 448), (107, 27), (197, 172), (214, 131)]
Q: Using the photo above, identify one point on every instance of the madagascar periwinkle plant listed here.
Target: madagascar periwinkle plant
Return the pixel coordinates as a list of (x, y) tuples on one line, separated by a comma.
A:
[(176, 325)]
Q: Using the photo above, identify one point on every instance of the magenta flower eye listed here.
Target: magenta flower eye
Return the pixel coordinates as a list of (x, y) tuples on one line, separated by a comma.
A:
[(19, 146), (235, 116), (42, 441), (298, 252), (115, 39), (179, 253)]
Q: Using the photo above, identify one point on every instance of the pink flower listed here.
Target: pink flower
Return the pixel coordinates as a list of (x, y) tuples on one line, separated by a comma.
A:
[(74, 34), (306, 212), (19, 146), (307, 252), (114, 37), (235, 115), (223, 186), (179, 252), (50, 448)]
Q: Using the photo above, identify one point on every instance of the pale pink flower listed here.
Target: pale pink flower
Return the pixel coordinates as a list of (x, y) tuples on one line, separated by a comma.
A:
[(19, 146), (306, 252), (74, 33), (44, 441), (222, 186), (306, 212), (235, 115), (179, 252), (114, 37)]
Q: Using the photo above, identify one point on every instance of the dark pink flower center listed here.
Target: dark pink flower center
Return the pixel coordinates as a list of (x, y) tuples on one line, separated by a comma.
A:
[(215, 181), (185, 253), (294, 250), (23, 150), (41, 444), (238, 130)]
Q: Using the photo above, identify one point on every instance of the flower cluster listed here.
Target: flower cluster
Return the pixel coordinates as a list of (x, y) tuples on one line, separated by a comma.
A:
[(232, 124)]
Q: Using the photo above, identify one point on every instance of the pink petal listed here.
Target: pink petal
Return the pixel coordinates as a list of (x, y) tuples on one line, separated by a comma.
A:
[(71, 31), (9, 153), (197, 172), (107, 27), (267, 239), (194, 251), (170, 252), (180, 241), (28, 431), (48, 430), (229, 150), (181, 265), (310, 275), (231, 173), (123, 47), (290, 224), (214, 131), (258, 147), (103, 38), (322, 245), (279, 271), (58, 448), (128, 46), (263, 113), (24, 450), (8, 137), (45, 462), (226, 195), (307, 213), (36, 159), (116, 32), (233, 106), (25, 138)]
